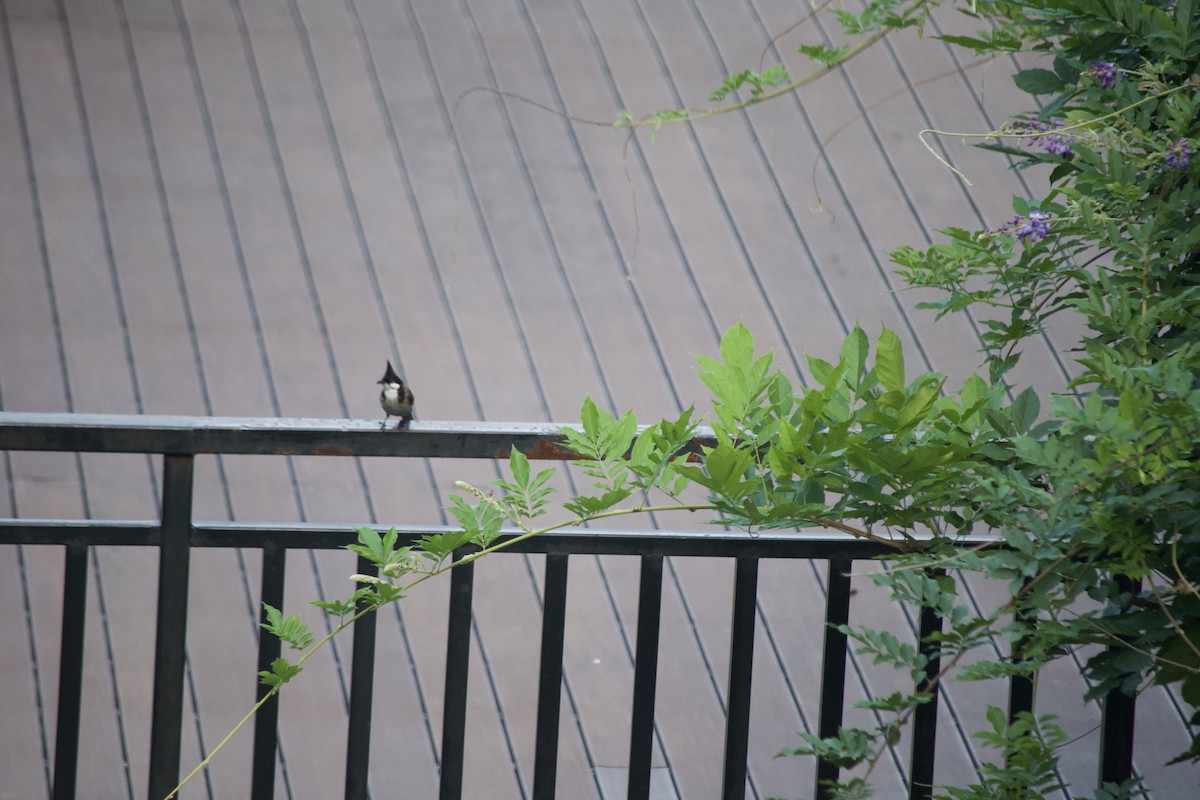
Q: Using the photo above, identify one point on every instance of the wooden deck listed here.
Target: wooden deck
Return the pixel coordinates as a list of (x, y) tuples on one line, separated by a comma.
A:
[(243, 208)]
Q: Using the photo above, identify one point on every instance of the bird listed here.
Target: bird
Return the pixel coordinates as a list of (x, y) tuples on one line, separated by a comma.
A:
[(396, 399)]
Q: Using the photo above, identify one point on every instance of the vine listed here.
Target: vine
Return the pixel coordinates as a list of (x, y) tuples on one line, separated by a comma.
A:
[(1095, 498)]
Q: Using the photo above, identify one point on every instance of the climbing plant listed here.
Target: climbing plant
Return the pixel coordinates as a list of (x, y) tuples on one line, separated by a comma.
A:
[(1090, 498), (1092, 502)]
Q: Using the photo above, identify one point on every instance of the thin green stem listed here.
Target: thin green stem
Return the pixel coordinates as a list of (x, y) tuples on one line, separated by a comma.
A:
[(695, 116), (370, 609), (1165, 607), (1000, 134), (274, 690), (1182, 579)]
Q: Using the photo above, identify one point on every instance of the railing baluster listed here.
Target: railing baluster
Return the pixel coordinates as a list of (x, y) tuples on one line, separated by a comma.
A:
[(70, 671), (171, 629), (1020, 688), (458, 663), (362, 689), (924, 741), (1116, 737), (645, 678), (266, 722), (741, 663), (1116, 724), (554, 619), (833, 666)]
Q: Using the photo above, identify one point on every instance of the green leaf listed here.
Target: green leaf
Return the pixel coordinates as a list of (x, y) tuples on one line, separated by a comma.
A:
[(619, 437), (518, 464), (895, 702), (1024, 410), (342, 608), (849, 748), (290, 630), (854, 356), (604, 437), (281, 672), (370, 546), (970, 42), (379, 550), (481, 521), (825, 373), (384, 593), (524, 496), (641, 456), (589, 415), (1067, 71), (440, 545), (1038, 81), (1190, 690), (586, 507), (822, 54), (758, 82), (726, 466), (737, 347), (889, 361)]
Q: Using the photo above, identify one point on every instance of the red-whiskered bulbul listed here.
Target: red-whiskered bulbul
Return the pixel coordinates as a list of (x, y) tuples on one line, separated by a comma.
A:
[(396, 399)]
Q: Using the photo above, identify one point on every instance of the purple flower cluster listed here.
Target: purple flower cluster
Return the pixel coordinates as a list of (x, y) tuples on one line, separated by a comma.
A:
[(1034, 227), (1178, 154), (1044, 136), (1105, 74)]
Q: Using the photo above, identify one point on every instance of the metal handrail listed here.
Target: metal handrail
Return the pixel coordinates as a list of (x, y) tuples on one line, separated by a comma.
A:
[(129, 433)]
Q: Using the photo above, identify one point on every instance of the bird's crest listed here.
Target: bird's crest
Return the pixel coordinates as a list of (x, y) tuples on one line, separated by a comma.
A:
[(390, 376)]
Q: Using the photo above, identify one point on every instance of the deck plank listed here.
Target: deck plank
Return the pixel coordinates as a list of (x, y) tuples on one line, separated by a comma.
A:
[(91, 324), (24, 761)]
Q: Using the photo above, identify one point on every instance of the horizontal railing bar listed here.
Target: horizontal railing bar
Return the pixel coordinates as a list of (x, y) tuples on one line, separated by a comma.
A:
[(81, 532), (127, 433), (818, 544)]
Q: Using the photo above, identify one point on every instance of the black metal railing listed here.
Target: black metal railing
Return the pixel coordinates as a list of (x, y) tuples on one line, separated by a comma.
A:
[(179, 439)]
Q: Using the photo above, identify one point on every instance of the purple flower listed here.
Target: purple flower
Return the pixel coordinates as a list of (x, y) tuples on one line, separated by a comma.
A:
[(1034, 227), (1178, 154), (1039, 134), (1105, 74)]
